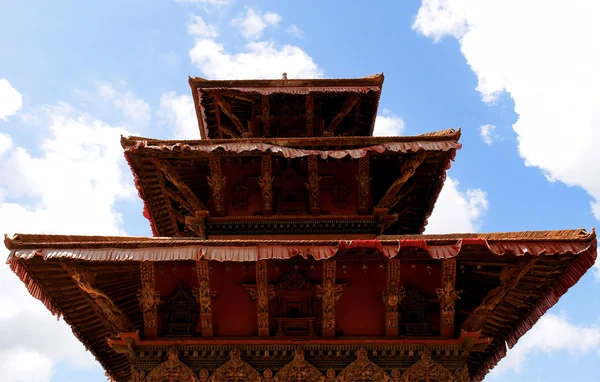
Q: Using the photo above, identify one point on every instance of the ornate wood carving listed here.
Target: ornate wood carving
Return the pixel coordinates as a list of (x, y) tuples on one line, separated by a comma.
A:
[(180, 307), (235, 370), (310, 131), (115, 319), (392, 297), (137, 376), (204, 298), (171, 370), (263, 294), (266, 184), (298, 370), (216, 182), (149, 299), (171, 175), (427, 370), (240, 197), (413, 306), (363, 370), (266, 115), (407, 170), (313, 185), (447, 294), (509, 278), (363, 185), (462, 375), (330, 293), (348, 105), (226, 108), (339, 193)]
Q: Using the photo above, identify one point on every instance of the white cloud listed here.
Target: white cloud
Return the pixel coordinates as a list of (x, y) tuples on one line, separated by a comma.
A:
[(487, 133), (69, 184), (295, 31), (199, 28), (457, 211), (178, 111), (596, 267), (388, 124), (10, 99), (131, 106), (550, 334), (547, 61), (254, 23)]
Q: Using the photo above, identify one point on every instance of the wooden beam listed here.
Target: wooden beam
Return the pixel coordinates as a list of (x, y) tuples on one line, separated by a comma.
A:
[(509, 278), (392, 296), (346, 108), (313, 185), (266, 115), (310, 107), (204, 297), (149, 300), (172, 176), (356, 114), (447, 294), (226, 107), (164, 192), (407, 170), (112, 316), (266, 184), (218, 119), (216, 182), (330, 293), (264, 293), (364, 191)]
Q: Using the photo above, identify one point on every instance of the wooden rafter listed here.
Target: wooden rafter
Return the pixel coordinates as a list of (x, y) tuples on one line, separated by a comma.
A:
[(165, 193), (172, 176), (356, 115), (348, 105), (509, 278), (226, 108), (266, 115), (310, 107), (407, 170)]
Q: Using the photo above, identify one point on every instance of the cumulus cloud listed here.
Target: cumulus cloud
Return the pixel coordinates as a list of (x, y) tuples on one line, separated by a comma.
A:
[(596, 267), (551, 333), (178, 111), (10, 99), (199, 28), (69, 184), (132, 107), (546, 61), (388, 124), (487, 134), (253, 24), (456, 210), (295, 31)]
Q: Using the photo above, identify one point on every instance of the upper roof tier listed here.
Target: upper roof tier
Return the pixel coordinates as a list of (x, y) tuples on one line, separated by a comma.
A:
[(286, 108)]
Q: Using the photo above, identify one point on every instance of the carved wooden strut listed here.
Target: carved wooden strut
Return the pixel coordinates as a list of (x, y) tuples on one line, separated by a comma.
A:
[(346, 108), (216, 182), (149, 299), (310, 115), (266, 184), (313, 185), (266, 116), (447, 295), (392, 297), (264, 293), (330, 293), (407, 170), (363, 185), (204, 297), (226, 108)]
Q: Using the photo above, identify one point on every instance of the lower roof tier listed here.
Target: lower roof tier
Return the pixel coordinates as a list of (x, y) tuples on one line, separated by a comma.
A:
[(417, 290)]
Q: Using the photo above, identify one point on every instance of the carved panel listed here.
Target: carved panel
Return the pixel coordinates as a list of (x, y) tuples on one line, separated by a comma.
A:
[(363, 370), (299, 370), (462, 375), (266, 184), (413, 306), (204, 298), (363, 185), (216, 182), (264, 293), (235, 370), (180, 307), (391, 298), (339, 194), (330, 293), (447, 294), (149, 299), (171, 370), (292, 197), (313, 184), (240, 195), (427, 370)]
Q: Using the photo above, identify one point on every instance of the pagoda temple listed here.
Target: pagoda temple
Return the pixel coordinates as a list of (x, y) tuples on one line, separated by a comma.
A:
[(288, 246)]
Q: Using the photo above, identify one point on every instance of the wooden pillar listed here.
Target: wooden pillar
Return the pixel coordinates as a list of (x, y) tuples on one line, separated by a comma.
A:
[(205, 295), (329, 292), (216, 182), (447, 294), (310, 131), (266, 116), (149, 300), (313, 185), (262, 298), (392, 297), (363, 185), (266, 184)]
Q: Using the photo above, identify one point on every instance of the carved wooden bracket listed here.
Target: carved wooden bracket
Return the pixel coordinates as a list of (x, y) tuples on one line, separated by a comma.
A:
[(509, 278), (266, 184), (407, 170), (330, 293), (216, 182), (189, 197), (197, 223), (313, 185), (447, 295), (346, 108), (226, 108), (363, 185), (112, 316), (393, 295), (204, 297), (149, 299)]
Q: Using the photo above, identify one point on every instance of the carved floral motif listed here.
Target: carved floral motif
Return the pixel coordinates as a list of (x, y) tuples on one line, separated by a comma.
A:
[(240, 197), (339, 193), (363, 370), (235, 370), (427, 370), (298, 370), (294, 281), (171, 370)]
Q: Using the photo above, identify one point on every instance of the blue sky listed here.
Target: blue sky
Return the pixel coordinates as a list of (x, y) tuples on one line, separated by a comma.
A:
[(74, 75)]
